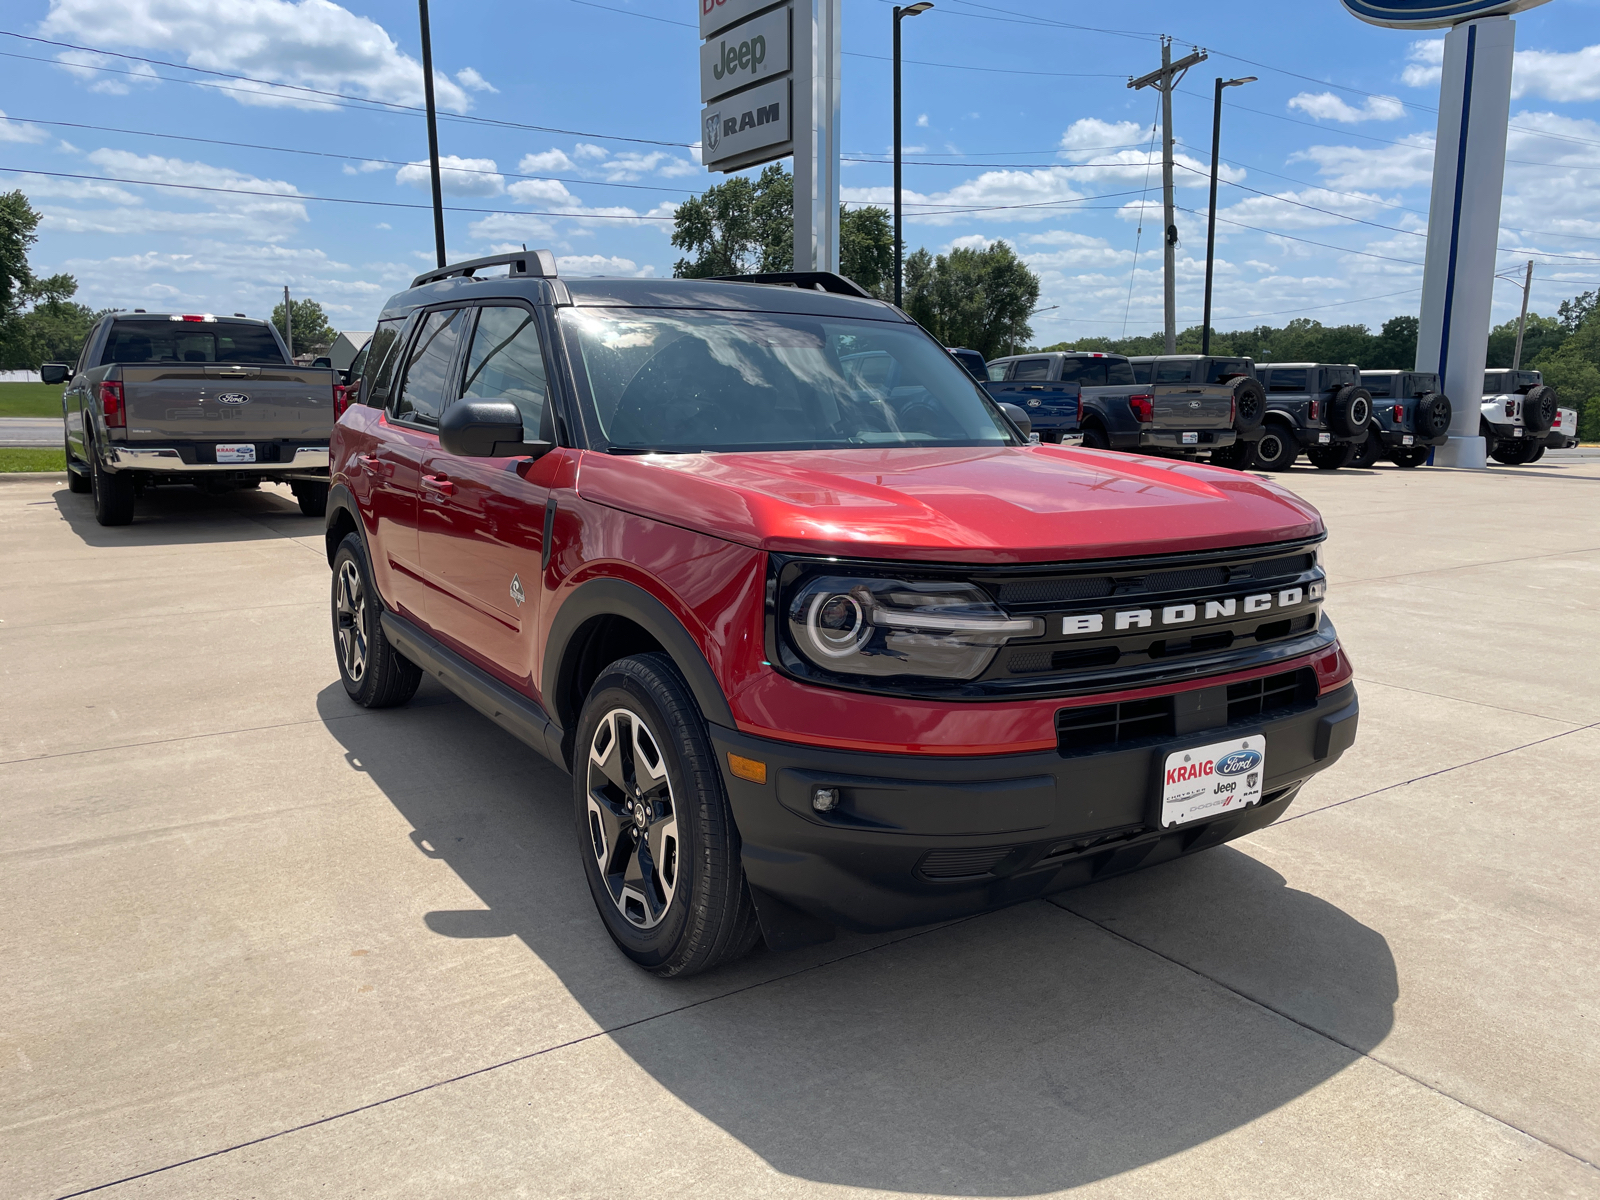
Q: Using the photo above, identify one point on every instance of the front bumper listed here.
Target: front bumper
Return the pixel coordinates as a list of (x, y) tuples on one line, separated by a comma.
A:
[(917, 839), (310, 461)]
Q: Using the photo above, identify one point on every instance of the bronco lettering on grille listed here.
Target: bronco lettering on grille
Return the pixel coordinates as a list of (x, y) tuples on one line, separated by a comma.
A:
[(1183, 614)]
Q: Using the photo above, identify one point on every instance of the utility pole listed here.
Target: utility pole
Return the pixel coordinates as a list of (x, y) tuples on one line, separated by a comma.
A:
[(1522, 321), (1164, 81), (433, 131), (288, 322)]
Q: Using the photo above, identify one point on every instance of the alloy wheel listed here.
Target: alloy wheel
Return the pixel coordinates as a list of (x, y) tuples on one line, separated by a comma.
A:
[(350, 621), (633, 821)]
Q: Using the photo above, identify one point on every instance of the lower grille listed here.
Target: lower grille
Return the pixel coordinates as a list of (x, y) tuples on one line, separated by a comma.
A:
[(1080, 729), (962, 864), (1254, 697)]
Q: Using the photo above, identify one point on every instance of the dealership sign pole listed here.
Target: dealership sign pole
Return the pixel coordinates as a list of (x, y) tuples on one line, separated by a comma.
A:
[(769, 83), (1469, 167)]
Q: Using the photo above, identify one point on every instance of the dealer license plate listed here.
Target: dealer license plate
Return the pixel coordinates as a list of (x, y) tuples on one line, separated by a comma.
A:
[(1517, 432), (1211, 780), (239, 452), (1324, 438), (1407, 440), (1191, 439)]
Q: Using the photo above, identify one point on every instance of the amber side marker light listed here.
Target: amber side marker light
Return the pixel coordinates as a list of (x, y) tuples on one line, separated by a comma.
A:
[(747, 768)]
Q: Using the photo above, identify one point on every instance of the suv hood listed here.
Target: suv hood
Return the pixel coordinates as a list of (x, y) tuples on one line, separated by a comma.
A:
[(1006, 504)]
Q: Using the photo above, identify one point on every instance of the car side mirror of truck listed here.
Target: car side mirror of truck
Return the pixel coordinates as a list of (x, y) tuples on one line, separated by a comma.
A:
[(1018, 417), (54, 373), (486, 429)]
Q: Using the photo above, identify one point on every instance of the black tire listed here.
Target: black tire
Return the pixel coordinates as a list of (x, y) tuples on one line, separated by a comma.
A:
[(1513, 452), (1536, 454), (1539, 409), (1409, 456), (112, 492), (1351, 409), (1331, 458), (78, 480), (1249, 406), (1368, 452), (1240, 456), (312, 498), (658, 840), (1095, 438), (1431, 416), (1490, 443), (1277, 449), (374, 673)]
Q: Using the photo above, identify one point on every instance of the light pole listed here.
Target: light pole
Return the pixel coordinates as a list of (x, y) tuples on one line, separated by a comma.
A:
[(433, 130), (1211, 213), (910, 10)]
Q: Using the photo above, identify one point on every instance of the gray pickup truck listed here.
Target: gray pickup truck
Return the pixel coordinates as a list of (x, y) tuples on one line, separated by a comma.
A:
[(173, 398)]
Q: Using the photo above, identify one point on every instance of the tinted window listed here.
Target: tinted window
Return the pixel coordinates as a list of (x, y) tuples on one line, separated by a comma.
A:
[(135, 342), (1340, 376), (1172, 372), (997, 371), (506, 362), (1421, 385), (428, 366), (377, 372), (1032, 368), (1287, 381), (1097, 372), (1141, 372), (1493, 383), (1376, 385), (1221, 370), (680, 380)]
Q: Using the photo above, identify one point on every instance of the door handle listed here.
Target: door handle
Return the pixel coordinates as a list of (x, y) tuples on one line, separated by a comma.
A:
[(373, 465), (440, 484)]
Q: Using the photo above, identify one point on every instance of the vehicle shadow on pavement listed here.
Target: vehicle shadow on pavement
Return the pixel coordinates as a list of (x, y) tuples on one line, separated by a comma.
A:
[(1025, 1051), (169, 516)]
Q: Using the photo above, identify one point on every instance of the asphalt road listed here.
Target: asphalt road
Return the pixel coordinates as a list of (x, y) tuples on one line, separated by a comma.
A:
[(259, 942), (43, 432)]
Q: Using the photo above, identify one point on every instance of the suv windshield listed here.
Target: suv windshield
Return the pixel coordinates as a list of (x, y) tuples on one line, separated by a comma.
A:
[(674, 380), (1097, 372), (134, 342)]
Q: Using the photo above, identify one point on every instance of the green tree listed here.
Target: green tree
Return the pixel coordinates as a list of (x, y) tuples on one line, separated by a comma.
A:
[(1541, 334), (18, 220), (311, 329), (39, 322), (866, 249), (980, 299)]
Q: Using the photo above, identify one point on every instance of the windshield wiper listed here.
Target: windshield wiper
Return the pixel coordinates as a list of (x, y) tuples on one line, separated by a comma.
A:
[(645, 450)]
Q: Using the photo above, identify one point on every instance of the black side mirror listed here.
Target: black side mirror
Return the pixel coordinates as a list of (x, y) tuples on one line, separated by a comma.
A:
[(54, 373), (486, 429), (322, 362), (1018, 418)]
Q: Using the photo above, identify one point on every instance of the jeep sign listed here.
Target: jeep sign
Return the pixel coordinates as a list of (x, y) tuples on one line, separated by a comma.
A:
[(746, 128), (745, 54)]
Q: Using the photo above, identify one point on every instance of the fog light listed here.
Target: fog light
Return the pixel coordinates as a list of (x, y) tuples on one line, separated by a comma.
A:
[(825, 799)]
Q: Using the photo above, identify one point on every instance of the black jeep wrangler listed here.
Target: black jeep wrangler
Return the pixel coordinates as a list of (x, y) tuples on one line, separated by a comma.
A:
[(1320, 408), (1410, 415)]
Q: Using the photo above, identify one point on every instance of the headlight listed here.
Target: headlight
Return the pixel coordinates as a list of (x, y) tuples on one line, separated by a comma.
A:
[(852, 625)]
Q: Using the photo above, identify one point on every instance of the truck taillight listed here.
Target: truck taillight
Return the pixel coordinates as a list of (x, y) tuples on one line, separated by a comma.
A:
[(341, 400), (111, 405), (1399, 413), (1143, 407), (1316, 407)]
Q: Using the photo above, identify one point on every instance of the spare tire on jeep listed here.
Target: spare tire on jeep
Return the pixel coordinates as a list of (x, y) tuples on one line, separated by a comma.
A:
[(1249, 405), (1431, 418), (1351, 409), (1539, 409)]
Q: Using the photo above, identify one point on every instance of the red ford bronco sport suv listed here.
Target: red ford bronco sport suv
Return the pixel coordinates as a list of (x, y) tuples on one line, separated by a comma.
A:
[(823, 641)]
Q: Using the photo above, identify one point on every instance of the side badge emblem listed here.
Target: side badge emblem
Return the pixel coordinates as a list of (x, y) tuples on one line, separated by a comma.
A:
[(517, 593)]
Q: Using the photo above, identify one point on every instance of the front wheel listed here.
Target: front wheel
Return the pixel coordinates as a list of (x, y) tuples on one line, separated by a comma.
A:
[(659, 846), (312, 498), (374, 673), (1095, 438), (1368, 452), (1409, 456), (1277, 450), (1238, 457)]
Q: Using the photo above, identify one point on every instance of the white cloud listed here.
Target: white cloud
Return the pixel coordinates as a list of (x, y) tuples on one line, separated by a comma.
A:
[(1409, 164), (1086, 137), (588, 152), (1093, 145), (469, 78), (364, 168), (600, 264), (922, 121), (541, 191), (547, 160), (1425, 61), (309, 43), (1004, 193), (19, 131), (972, 241), (1325, 106), (457, 176), (1564, 78), (1299, 209)]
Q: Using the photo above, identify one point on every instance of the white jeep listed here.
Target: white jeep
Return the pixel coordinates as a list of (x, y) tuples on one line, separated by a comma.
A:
[(1519, 410)]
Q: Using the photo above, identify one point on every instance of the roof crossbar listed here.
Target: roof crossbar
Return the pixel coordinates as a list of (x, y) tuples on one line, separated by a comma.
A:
[(540, 264)]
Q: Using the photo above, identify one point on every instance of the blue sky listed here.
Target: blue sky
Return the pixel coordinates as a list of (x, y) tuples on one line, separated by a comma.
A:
[(571, 124)]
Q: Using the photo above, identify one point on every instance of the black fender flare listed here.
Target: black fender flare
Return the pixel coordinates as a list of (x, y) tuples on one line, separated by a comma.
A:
[(603, 597), (340, 500)]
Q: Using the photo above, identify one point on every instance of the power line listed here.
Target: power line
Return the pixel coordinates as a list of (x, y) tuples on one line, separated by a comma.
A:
[(1291, 237)]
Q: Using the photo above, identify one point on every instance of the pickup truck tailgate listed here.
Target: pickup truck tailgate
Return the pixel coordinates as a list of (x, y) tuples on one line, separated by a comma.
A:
[(195, 402), (1192, 406)]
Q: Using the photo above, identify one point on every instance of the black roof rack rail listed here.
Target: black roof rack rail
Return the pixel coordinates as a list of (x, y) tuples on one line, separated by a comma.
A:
[(811, 281), (539, 263)]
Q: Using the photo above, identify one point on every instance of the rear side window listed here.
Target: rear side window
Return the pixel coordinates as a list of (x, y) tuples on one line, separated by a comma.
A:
[(1493, 384), (1293, 380), (1032, 368), (1376, 385), (377, 373), (1221, 370), (427, 366), (997, 372), (1097, 372), (1172, 372), (136, 342), (1141, 372), (506, 362)]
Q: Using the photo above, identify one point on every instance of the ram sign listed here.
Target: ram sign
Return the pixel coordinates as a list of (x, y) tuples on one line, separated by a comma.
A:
[(746, 83), (746, 128)]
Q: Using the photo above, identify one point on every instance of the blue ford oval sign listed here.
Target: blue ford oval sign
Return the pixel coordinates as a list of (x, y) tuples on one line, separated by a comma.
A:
[(1238, 762), (1433, 14)]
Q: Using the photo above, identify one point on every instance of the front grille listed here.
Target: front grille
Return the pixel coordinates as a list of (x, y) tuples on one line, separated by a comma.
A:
[(1081, 729), (1272, 693), (1182, 581), (962, 864), (1045, 591)]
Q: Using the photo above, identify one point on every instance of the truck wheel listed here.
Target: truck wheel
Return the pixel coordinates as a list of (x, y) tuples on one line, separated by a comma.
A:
[(1095, 438), (659, 846), (1331, 458), (1431, 416), (77, 473), (1277, 449), (113, 493), (312, 498), (1239, 457), (1539, 409), (1409, 456), (1537, 454), (1490, 442), (1367, 452), (1351, 409), (374, 673), (1249, 406)]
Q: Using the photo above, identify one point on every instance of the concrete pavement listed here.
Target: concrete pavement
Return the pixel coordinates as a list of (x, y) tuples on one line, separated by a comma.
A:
[(260, 942)]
